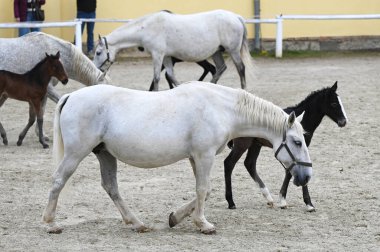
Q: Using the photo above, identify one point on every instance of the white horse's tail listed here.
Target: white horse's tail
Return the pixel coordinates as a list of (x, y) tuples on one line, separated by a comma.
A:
[(245, 54), (58, 150)]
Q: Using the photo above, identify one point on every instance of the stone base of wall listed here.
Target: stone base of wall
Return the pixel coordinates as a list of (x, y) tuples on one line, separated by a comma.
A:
[(324, 43)]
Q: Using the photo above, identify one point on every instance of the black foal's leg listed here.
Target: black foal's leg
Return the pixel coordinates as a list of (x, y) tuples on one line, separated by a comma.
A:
[(250, 164), (207, 67), (284, 190), (32, 119), (229, 165), (307, 199)]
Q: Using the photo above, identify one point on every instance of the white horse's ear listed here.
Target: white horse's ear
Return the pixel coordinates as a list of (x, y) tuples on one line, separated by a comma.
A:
[(300, 117), (100, 40), (291, 119)]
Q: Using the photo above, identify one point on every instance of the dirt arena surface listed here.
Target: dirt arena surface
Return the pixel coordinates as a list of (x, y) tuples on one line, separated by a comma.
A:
[(345, 187)]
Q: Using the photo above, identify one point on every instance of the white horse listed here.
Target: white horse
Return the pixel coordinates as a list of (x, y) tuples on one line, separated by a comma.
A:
[(193, 38), (21, 54), (129, 125)]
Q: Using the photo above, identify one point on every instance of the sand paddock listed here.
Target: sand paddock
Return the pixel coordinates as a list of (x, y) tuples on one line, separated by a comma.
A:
[(345, 187)]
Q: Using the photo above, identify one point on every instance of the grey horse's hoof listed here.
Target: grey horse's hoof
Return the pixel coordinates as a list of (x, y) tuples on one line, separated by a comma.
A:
[(55, 230), (172, 220)]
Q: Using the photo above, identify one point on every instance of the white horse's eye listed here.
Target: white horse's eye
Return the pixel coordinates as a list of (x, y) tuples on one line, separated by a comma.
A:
[(298, 143), (98, 53)]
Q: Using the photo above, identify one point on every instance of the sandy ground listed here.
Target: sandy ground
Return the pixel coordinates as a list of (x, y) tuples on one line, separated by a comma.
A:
[(345, 188)]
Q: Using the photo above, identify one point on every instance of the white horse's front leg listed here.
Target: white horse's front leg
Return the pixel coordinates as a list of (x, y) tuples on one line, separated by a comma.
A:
[(201, 168), (168, 64), (54, 96), (157, 64), (203, 188), (51, 93)]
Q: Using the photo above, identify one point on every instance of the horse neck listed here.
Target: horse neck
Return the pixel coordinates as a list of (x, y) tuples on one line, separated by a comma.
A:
[(39, 75), (125, 37), (313, 113)]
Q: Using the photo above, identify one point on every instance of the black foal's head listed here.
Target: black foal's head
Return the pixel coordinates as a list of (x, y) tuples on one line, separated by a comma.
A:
[(333, 107)]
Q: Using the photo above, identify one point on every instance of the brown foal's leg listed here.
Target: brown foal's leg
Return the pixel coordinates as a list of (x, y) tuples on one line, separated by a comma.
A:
[(32, 119), (3, 134)]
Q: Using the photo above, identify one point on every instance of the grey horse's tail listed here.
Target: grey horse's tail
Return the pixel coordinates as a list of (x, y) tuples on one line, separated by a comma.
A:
[(245, 53), (57, 142)]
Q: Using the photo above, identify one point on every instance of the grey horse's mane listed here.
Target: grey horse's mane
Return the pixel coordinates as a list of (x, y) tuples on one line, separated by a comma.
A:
[(263, 113), (84, 69)]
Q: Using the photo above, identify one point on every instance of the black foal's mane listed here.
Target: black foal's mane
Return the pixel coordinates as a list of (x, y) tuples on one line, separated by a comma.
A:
[(307, 103)]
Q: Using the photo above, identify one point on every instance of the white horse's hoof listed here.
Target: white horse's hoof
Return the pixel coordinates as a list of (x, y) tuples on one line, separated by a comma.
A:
[(209, 231), (141, 229), (205, 226), (310, 209), (282, 203)]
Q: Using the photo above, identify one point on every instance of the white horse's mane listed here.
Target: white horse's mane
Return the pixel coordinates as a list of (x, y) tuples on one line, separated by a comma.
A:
[(263, 113)]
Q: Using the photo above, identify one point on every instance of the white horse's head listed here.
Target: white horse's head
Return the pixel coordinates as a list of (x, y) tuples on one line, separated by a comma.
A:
[(292, 152), (104, 55)]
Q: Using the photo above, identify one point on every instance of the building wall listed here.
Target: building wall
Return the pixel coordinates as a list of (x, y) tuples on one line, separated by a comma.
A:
[(59, 10), (319, 28)]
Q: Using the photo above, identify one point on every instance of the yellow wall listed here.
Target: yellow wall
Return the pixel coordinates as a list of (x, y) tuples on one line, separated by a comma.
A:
[(317, 28), (59, 10)]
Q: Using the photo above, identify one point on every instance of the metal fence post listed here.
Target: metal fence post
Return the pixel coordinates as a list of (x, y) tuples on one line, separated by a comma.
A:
[(279, 37), (78, 35)]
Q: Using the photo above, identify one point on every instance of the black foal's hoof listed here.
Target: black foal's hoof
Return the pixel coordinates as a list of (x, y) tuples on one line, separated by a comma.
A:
[(232, 207), (5, 141), (19, 143), (46, 146)]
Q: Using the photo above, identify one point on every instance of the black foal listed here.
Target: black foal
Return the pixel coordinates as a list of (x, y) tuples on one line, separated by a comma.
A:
[(324, 102)]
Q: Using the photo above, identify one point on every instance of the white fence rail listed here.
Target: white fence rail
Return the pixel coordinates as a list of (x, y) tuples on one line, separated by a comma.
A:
[(278, 21), (76, 24)]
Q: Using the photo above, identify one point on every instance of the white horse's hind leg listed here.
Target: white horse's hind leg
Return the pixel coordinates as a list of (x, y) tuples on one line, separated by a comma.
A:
[(64, 171), (236, 58), (108, 169)]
